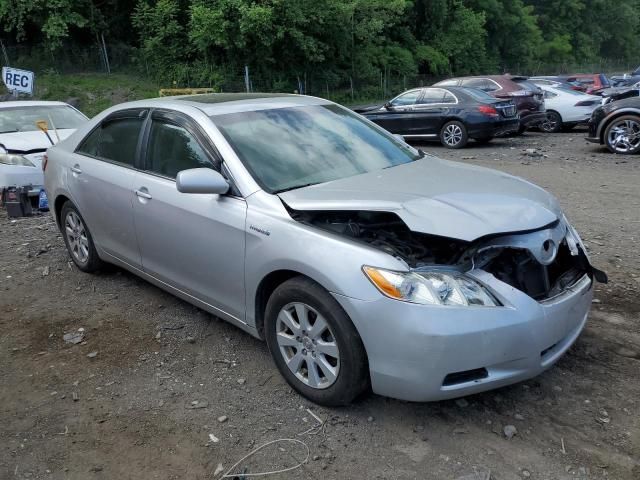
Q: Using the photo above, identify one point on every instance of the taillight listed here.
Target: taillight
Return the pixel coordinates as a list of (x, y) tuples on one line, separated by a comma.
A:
[(45, 160), (586, 103), (488, 110)]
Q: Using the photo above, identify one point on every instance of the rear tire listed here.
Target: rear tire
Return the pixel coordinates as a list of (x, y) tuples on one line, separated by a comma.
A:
[(454, 134), (78, 239), (314, 344), (553, 122), (617, 133)]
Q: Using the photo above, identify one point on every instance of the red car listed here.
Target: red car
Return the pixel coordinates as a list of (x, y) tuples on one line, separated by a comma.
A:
[(591, 83), (527, 96)]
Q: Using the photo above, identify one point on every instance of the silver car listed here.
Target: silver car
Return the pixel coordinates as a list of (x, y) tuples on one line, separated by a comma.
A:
[(363, 262)]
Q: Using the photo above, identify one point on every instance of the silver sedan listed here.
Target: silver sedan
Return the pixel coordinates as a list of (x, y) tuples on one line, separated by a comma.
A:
[(363, 262)]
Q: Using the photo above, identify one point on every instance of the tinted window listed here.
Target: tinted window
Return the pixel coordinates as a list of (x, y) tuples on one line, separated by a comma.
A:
[(527, 85), (173, 149), (286, 148), (115, 140), (448, 98), (408, 98), (480, 83), (479, 95), (432, 95)]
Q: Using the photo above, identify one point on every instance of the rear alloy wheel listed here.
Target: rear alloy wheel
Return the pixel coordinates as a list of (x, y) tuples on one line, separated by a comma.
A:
[(623, 135), (454, 135), (553, 122), (78, 239), (314, 344)]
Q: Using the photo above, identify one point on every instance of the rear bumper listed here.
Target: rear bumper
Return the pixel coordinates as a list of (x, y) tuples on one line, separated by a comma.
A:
[(427, 353), (496, 128)]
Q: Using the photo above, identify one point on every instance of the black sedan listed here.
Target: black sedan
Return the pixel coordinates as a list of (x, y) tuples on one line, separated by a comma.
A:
[(617, 126), (450, 115)]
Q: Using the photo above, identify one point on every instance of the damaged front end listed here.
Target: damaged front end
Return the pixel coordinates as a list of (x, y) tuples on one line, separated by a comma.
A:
[(542, 263)]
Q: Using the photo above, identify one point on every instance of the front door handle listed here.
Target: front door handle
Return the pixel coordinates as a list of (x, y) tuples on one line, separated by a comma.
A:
[(76, 169), (143, 193)]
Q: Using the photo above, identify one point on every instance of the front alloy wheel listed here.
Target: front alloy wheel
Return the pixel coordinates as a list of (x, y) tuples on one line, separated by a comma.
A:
[(314, 344), (307, 345), (623, 135)]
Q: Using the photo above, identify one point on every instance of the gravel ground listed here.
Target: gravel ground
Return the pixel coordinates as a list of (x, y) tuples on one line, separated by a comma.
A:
[(159, 389)]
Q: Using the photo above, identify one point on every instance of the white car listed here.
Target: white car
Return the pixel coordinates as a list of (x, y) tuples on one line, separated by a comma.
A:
[(23, 144), (566, 108)]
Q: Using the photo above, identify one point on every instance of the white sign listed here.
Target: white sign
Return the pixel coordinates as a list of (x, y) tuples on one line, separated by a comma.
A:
[(18, 80)]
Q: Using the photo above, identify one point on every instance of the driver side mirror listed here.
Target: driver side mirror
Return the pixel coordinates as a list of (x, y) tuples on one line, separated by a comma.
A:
[(388, 106), (201, 180)]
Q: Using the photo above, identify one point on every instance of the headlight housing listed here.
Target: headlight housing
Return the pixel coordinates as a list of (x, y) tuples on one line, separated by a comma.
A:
[(435, 287), (13, 159)]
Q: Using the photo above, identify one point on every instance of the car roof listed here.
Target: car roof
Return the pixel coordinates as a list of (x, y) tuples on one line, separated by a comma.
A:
[(30, 103), (222, 103)]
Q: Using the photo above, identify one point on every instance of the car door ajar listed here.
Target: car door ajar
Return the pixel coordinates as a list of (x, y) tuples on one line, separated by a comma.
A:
[(101, 183), (192, 242)]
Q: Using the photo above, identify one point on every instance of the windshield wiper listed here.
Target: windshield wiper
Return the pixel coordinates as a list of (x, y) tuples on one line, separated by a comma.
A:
[(295, 187), (9, 131)]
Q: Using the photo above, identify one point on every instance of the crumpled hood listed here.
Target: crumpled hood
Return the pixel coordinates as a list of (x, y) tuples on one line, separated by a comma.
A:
[(438, 197), (27, 141)]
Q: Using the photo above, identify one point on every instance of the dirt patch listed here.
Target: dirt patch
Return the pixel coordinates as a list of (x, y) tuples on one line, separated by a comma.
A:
[(146, 404)]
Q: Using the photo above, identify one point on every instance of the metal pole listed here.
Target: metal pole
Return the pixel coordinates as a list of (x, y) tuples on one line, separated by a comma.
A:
[(106, 57), (246, 78)]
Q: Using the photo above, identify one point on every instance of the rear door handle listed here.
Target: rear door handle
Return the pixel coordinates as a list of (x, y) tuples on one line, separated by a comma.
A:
[(142, 193), (76, 169)]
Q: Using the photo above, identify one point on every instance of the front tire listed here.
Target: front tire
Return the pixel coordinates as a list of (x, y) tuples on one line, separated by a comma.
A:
[(78, 239), (454, 135), (314, 343), (553, 122), (622, 135)]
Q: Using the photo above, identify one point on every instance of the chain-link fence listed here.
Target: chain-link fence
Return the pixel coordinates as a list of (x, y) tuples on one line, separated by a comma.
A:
[(356, 87)]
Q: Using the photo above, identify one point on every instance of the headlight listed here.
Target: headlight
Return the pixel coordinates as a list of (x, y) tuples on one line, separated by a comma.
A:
[(431, 288), (12, 159)]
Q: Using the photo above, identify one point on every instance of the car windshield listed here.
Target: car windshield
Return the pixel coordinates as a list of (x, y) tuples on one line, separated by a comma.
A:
[(288, 148), (23, 119), (479, 95)]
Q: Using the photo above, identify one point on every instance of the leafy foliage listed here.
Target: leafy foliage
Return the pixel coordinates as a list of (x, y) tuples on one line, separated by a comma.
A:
[(210, 41)]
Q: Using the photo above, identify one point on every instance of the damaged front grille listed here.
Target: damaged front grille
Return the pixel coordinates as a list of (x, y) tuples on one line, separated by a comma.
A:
[(518, 268)]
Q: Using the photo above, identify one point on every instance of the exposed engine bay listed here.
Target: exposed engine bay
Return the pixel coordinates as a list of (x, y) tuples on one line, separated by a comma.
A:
[(541, 264)]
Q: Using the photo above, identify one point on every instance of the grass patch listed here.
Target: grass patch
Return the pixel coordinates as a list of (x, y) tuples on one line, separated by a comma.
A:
[(93, 92)]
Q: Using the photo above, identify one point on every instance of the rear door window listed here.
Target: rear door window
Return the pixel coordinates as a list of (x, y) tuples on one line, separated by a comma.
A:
[(115, 139), (431, 96)]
